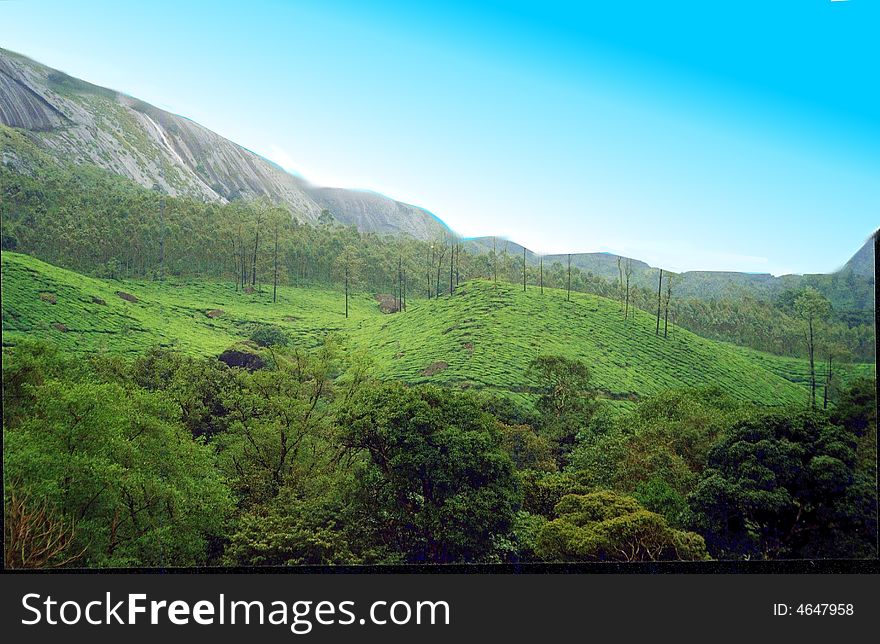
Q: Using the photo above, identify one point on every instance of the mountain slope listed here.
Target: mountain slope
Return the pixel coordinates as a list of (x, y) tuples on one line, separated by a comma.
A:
[(482, 337), (75, 120)]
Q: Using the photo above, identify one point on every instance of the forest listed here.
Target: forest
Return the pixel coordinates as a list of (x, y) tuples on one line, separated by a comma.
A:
[(169, 460), (191, 384)]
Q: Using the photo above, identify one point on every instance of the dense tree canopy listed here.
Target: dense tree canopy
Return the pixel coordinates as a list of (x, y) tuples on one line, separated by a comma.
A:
[(437, 483), (607, 526), (784, 485)]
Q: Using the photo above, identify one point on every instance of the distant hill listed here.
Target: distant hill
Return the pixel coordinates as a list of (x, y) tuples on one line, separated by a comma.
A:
[(849, 289), (77, 121)]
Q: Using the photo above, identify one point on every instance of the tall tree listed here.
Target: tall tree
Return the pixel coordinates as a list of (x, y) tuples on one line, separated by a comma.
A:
[(441, 253), (568, 281), (524, 269), (399, 283), (258, 223), (452, 267), (430, 257), (542, 275), (627, 271), (494, 263), (161, 238), (275, 267), (348, 268), (659, 292), (812, 307), (666, 305)]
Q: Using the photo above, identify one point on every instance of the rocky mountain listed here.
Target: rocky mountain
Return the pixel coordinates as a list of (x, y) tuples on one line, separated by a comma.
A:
[(862, 263), (78, 121)]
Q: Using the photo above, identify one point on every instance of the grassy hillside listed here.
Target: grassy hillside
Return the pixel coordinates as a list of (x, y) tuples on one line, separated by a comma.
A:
[(483, 337), (170, 314)]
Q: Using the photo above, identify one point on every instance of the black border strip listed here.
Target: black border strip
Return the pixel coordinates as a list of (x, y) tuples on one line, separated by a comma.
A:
[(791, 566)]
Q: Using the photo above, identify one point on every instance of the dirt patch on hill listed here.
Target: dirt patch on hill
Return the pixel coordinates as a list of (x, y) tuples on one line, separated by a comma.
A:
[(434, 368), (468, 346), (48, 297), (128, 297), (387, 303), (60, 327), (98, 300), (214, 313)]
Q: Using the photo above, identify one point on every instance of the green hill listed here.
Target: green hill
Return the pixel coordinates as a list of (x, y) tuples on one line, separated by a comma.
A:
[(482, 337)]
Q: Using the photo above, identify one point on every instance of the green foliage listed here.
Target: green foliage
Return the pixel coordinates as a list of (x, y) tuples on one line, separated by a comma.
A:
[(275, 417), (566, 397), (856, 407), (657, 452), (115, 463), (607, 526), (541, 491), (436, 483), (527, 449), (811, 305), (782, 486), (289, 532), (269, 336)]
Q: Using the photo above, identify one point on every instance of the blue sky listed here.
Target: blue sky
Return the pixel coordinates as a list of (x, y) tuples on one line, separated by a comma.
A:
[(694, 135)]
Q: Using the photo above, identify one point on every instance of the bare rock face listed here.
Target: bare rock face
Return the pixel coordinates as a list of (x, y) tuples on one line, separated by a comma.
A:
[(77, 121)]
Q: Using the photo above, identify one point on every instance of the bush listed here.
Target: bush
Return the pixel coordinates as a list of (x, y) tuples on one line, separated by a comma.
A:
[(269, 336)]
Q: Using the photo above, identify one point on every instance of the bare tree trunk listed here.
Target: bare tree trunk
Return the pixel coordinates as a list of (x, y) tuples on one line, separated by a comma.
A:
[(254, 264), (452, 268), (440, 257), (620, 280), (666, 307), (275, 261), (346, 289), (828, 376), (430, 267), (659, 292), (876, 317), (810, 348), (235, 264), (494, 262), (162, 239), (666, 320), (568, 286)]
